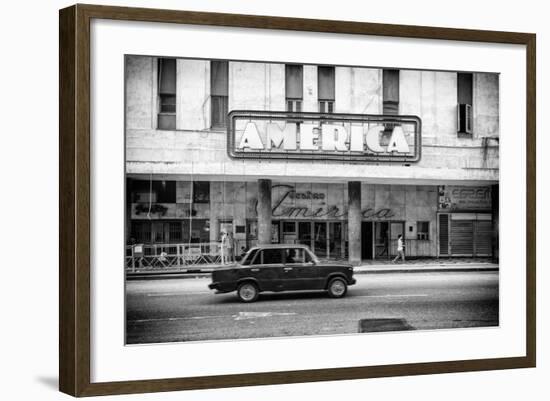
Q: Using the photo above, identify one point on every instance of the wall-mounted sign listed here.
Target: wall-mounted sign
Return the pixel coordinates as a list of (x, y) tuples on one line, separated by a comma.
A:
[(464, 198), (317, 209), (323, 136)]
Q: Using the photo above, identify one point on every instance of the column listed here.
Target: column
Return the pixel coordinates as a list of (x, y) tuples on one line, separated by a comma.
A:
[(264, 212), (494, 221), (354, 222), (216, 211)]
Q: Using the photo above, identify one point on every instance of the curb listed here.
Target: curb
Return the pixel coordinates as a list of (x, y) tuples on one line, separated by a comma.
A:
[(201, 273)]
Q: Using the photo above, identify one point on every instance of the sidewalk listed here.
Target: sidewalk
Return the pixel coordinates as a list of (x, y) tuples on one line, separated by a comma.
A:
[(367, 267)]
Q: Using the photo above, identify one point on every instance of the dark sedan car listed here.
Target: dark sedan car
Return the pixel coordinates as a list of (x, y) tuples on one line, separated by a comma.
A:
[(282, 268)]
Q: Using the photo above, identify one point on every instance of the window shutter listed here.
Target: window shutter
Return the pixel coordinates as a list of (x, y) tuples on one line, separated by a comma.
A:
[(443, 234), (462, 237)]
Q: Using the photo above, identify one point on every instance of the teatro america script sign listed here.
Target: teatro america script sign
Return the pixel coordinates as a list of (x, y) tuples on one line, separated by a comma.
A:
[(324, 136)]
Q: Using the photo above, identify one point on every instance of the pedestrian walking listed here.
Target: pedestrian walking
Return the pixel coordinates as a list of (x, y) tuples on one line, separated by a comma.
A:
[(223, 248), (230, 247), (400, 249)]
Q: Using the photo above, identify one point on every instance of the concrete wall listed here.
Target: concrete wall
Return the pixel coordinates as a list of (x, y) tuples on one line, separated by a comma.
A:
[(193, 94), (256, 86), (358, 90), (486, 105), (140, 99), (310, 99), (195, 149)]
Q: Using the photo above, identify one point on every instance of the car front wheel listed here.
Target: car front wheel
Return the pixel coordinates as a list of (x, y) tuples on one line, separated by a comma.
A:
[(248, 292), (337, 288)]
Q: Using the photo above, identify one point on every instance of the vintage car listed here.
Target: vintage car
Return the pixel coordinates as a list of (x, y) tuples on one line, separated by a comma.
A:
[(282, 267)]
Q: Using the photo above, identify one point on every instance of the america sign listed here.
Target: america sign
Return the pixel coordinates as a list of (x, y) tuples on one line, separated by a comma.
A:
[(323, 136)]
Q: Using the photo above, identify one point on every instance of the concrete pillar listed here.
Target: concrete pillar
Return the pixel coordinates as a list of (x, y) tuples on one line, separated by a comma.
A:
[(215, 211), (495, 221), (354, 222), (264, 211)]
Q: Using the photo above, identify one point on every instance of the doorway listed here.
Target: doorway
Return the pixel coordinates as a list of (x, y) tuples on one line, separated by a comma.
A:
[(366, 240)]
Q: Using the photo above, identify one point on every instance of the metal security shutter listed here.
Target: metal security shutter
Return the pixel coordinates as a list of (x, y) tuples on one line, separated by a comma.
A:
[(462, 237), (483, 238), (443, 234)]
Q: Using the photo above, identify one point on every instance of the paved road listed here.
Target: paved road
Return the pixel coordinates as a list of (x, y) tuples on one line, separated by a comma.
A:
[(184, 309)]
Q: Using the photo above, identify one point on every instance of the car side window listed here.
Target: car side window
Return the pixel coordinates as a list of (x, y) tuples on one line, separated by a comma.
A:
[(271, 256), (295, 255)]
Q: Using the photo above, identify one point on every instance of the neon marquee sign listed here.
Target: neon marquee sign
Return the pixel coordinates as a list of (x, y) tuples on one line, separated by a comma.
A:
[(324, 136)]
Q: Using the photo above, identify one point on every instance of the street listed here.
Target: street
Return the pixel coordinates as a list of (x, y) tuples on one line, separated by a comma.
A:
[(183, 309)]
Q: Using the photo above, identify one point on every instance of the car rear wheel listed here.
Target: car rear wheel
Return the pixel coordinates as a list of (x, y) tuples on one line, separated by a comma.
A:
[(248, 292), (337, 288)]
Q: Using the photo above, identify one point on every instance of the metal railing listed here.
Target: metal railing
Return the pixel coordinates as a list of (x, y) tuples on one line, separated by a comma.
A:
[(153, 256)]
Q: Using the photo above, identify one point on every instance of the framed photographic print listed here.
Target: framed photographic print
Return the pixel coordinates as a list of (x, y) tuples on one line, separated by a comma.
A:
[(249, 200)]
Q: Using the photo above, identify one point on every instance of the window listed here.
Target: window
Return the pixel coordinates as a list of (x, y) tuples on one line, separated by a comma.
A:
[(294, 87), (289, 227), (167, 93), (141, 232), (175, 232), (153, 191), (195, 230), (156, 231), (465, 102), (390, 97), (325, 85), (271, 256), (423, 230), (297, 255), (201, 191), (252, 229), (219, 93), (390, 92)]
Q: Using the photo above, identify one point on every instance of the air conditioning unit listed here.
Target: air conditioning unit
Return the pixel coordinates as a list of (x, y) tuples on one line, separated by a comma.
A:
[(464, 119)]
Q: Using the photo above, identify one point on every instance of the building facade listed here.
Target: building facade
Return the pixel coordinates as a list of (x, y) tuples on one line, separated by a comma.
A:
[(185, 184)]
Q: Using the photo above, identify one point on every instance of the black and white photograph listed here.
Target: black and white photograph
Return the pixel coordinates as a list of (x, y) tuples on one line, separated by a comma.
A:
[(271, 199)]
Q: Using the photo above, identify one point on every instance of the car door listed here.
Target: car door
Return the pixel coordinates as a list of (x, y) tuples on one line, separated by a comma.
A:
[(267, 269), (301, 272)]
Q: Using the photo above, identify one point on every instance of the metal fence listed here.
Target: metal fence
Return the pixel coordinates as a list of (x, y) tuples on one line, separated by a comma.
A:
[(161, 256), (172, 255)]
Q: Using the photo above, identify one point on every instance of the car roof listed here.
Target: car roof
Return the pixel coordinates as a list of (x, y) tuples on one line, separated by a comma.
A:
[(282, 246)]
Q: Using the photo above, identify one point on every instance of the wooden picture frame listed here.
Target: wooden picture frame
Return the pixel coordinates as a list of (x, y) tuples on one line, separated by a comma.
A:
[(74, 203)]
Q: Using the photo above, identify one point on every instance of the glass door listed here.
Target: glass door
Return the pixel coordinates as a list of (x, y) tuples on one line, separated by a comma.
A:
[(320, 239), (381, 239), (289, 232), (335, 240), (304, 233)]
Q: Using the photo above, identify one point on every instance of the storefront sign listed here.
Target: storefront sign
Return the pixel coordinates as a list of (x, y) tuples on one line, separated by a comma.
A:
[(319, 210), (464, 198), (340, 137)]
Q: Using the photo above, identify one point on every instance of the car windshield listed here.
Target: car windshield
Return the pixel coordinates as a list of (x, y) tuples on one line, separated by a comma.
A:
[(249, 256)]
